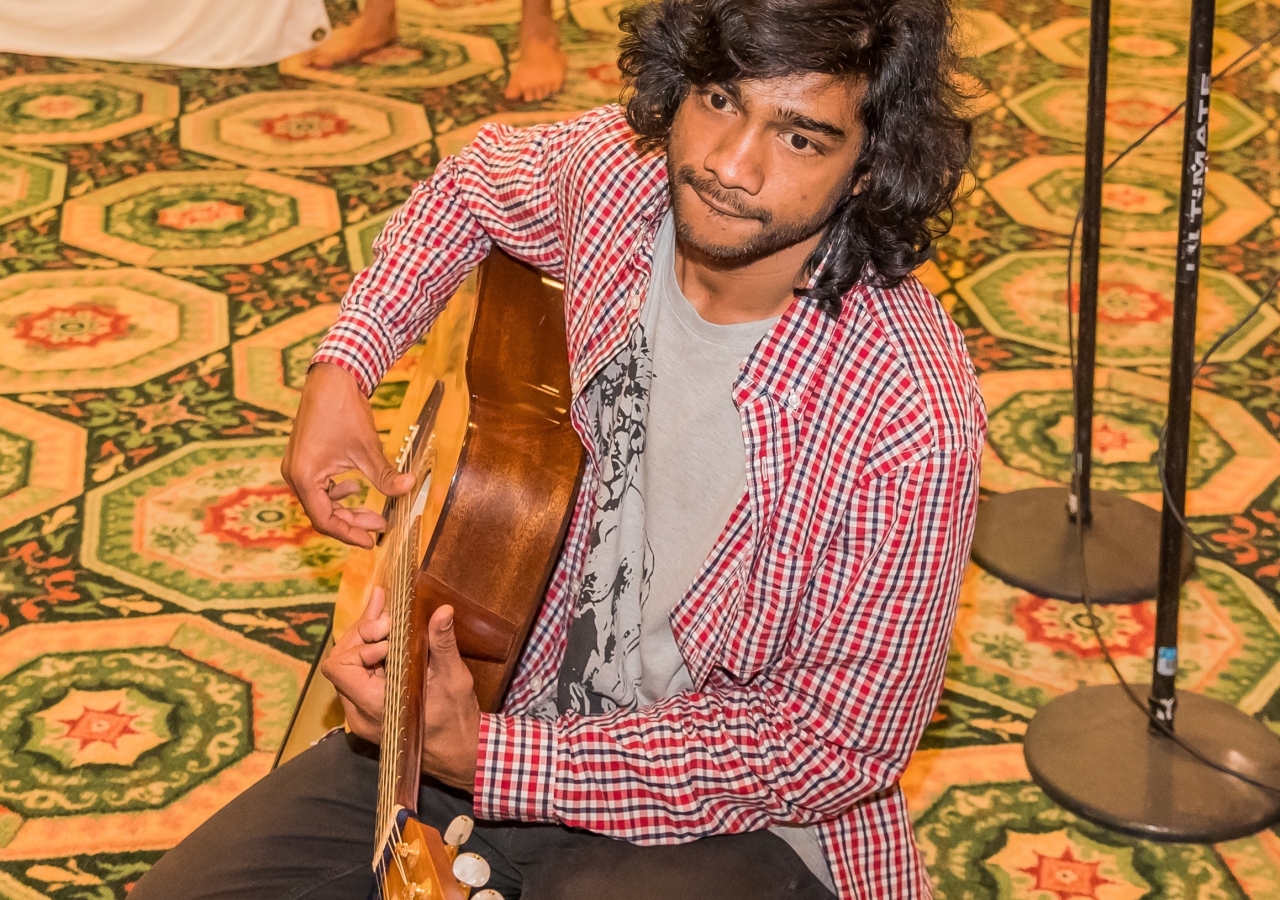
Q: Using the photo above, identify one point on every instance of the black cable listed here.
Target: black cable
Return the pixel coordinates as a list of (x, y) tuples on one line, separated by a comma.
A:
[(1094, 621), (1162, 727), (1075, 228), (1201, 545)]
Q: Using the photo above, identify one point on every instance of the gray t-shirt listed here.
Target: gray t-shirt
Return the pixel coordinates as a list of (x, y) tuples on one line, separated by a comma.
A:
[(673, 467)]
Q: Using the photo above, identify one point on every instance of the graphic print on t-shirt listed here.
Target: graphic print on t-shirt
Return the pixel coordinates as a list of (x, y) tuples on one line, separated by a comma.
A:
[(601, 669)]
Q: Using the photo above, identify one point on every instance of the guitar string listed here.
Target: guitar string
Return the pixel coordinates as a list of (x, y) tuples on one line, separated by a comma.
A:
[(390, 748), (393, 838), (384, 872), (397, 652), (390, 730), (404, 875), (383, 823), (404, 587), (381, 827), (391, 737), (402, 563)]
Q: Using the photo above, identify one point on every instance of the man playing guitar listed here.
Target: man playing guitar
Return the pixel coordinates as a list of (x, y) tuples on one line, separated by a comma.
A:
[(746, 630)]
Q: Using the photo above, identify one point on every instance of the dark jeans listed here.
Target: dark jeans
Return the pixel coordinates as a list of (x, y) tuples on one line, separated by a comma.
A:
[(306, 831)]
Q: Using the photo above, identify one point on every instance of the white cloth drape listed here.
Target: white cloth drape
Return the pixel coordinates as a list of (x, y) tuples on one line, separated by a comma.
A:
[(218, 34)]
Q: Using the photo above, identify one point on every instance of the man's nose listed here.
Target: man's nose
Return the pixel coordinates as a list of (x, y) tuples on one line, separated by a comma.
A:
[(737, 160)]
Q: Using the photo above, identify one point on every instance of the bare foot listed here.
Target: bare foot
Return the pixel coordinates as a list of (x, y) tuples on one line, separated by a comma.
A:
[(364, 35), (540, 71)]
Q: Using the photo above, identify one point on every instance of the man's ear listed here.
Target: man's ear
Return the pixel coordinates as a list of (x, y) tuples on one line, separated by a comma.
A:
[(856, 188)]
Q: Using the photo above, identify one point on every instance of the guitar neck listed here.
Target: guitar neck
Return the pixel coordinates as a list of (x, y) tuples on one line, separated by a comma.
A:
[(401, 747), (398, 765)]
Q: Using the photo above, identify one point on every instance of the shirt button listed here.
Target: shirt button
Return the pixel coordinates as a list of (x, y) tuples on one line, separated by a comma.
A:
[(575, 384), (793, 400), (633, 302)]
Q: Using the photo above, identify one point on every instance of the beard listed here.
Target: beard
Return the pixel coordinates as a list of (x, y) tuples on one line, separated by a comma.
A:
[(773, 235)]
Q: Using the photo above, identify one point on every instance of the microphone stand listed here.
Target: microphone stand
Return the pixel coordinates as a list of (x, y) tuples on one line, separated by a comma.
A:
[(1095, 750), (1030, 538)]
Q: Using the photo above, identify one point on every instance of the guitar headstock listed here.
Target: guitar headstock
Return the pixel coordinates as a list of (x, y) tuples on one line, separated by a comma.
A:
[(418, 864)]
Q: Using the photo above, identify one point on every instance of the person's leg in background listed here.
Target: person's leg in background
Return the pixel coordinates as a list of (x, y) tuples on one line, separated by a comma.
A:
[(537, 75), (540, 71), (375, 27)]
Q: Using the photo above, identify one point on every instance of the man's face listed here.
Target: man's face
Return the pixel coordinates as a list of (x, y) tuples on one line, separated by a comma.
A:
[(759, 166)]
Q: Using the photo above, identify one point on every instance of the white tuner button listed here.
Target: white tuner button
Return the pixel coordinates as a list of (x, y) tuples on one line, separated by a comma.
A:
[(489, 894), (459, 831), (471, 870)]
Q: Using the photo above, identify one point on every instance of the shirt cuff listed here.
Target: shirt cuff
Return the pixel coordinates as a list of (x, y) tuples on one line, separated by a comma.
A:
[(358, 343), (515, 769)]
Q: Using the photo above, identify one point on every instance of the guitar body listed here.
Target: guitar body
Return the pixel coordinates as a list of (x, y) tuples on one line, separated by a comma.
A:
[(512, 491), (505, 472)]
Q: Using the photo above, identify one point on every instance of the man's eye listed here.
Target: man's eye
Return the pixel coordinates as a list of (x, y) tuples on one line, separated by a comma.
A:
[(798, 142), (717, 101)]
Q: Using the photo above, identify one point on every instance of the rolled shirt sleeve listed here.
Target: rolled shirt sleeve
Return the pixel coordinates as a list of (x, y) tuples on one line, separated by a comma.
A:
[(502, 189)]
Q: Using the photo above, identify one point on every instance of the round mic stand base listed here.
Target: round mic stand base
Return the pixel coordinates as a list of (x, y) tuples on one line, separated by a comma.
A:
[(1027, 539), (1092, 751)]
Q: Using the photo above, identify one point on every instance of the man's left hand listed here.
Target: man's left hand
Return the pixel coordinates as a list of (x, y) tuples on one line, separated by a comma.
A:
[(451, 713), (357, 668)]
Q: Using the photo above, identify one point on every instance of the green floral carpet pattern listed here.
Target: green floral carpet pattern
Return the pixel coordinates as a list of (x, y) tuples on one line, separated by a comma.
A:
[(173, 244)]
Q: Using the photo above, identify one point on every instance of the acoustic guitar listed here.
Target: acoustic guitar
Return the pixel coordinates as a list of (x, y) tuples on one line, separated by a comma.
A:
[(496, 464)]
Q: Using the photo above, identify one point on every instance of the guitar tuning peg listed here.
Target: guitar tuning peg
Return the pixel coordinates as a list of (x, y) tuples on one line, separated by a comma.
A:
[(459, 831), (471, 870), (487, 894)]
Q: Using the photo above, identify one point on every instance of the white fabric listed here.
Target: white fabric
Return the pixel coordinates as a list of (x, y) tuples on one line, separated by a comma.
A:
[(217, 34)]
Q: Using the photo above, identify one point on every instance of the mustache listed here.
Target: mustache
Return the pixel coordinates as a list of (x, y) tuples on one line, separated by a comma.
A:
[(708, 187)]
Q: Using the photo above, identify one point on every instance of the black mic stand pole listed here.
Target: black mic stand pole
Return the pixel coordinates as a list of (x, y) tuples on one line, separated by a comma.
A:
[(1094, 750), (1030, 538)]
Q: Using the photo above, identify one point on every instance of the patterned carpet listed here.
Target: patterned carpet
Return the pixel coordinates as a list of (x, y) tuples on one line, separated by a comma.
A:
[(174, 242)]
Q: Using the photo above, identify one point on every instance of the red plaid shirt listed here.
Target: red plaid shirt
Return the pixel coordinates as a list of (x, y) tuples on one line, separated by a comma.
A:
[(816, 633)]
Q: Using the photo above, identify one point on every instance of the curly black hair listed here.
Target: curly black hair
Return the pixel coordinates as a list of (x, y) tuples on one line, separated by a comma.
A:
[(916, 140)]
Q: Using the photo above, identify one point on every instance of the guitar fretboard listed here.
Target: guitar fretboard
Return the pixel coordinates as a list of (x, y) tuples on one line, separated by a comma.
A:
[(399, 563)]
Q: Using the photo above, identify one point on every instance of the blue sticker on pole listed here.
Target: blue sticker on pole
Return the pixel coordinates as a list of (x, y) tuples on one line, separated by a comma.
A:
[(1167, 660)]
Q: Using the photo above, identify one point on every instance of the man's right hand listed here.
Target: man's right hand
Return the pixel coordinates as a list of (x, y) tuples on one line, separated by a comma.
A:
[(334, 433)]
